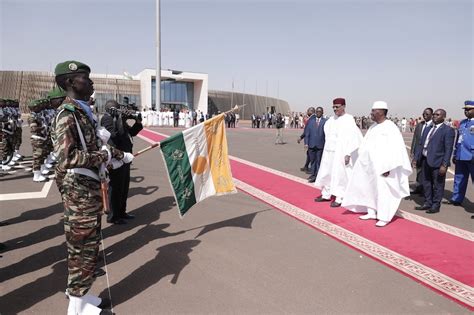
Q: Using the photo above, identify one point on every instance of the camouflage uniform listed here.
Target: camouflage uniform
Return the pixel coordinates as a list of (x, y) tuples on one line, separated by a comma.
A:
[(3, 135), (80, 193), (17, 135), (38, 139)]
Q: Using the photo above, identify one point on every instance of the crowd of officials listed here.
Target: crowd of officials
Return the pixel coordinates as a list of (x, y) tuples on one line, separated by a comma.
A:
[(435, 145)]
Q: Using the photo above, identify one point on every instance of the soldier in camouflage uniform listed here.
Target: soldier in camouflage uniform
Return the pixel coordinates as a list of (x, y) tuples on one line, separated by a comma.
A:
[(80, 154), (3, 137), (39, 135), (8, 123), (56, 97), (18, 131)]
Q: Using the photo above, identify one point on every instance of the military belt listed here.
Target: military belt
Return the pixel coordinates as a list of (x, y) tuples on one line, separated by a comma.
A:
[(38, 137), (84, 171)]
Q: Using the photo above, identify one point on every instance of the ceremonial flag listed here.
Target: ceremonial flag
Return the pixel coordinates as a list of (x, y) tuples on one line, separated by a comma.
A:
[(197, 163)]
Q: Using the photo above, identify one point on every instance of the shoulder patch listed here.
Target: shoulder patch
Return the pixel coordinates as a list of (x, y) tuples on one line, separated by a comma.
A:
[(69, 107)]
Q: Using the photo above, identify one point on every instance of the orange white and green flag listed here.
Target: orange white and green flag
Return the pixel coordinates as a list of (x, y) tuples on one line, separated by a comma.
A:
[(198, 164)]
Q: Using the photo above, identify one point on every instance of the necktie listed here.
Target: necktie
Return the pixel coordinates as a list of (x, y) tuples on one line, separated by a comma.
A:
[(430, 135), (317, 122), (427, 141)]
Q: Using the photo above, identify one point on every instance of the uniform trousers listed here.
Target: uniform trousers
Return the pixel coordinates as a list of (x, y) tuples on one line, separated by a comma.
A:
[(461, 177), (82, 223)]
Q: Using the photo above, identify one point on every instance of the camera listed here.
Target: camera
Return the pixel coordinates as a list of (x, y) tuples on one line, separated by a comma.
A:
[(125, 111)]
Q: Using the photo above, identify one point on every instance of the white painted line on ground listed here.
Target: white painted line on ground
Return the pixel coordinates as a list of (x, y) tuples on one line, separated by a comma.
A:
[(28, 195)]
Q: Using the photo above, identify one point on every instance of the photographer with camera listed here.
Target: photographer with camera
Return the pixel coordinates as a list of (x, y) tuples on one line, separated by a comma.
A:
[(115, 121)]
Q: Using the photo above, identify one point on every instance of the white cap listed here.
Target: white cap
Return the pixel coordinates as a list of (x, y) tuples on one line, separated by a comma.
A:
[(380, 105)]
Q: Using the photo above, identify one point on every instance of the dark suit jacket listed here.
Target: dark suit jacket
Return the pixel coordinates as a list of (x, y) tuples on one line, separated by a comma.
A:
[(120, 132), (416, 137), (440, 147), (314, 137)]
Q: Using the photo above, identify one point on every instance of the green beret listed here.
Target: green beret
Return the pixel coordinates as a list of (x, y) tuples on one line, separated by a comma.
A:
[(71, 67), (57, 92), (38, 102)]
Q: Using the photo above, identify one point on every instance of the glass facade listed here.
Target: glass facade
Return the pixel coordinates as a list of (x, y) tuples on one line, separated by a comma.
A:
[(174, 94)]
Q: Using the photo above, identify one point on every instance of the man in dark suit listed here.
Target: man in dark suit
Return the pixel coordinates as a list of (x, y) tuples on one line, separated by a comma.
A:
[(434, 156), (314, 139), (175, 117), (121, 138), (427, 117)]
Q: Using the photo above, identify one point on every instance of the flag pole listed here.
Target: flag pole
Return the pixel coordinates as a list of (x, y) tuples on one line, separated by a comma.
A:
[(154, 145)]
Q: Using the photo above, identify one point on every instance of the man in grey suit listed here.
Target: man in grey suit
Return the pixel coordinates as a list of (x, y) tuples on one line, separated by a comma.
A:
[(420, 127)]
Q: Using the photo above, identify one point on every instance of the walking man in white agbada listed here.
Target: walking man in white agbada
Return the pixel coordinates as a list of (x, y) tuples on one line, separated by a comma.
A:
[(343, 138), (380, 177)]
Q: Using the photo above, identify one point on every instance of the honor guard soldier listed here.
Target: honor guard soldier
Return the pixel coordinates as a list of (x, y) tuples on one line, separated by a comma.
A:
[(17, 136), (81, 153), (38, 129), (463, 156)]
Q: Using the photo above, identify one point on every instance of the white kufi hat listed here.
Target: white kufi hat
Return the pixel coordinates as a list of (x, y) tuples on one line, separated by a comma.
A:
[(380, 105)]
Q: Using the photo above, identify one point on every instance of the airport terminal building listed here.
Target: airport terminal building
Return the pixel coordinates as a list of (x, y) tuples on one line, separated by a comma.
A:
[(179, 89)]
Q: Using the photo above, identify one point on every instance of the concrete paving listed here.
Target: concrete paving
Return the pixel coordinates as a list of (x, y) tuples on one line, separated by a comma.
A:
[(229, 255)]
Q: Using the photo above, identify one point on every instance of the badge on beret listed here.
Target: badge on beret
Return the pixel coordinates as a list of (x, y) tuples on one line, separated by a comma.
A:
[(72, 66)]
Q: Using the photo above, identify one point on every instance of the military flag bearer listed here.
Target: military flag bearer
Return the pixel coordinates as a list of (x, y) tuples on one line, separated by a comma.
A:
[(81, 153)]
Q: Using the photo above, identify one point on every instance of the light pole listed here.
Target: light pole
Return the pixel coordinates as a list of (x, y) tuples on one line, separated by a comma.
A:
[(158, 59)]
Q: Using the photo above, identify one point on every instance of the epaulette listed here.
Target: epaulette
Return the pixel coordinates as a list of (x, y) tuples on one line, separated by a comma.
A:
[(69, 107)]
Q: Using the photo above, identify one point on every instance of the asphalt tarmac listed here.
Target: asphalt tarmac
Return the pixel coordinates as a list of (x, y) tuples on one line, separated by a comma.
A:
[(229, 255)]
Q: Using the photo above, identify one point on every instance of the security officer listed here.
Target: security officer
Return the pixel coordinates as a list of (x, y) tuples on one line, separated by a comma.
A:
[(81, 153), (463, 156)]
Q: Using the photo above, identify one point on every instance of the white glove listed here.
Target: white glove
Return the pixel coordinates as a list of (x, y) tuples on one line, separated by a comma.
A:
[(103, 134), (109, 154), (127, 157), (116, 163)]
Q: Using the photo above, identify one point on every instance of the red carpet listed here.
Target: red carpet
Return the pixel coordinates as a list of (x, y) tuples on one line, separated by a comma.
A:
[(444, 253)]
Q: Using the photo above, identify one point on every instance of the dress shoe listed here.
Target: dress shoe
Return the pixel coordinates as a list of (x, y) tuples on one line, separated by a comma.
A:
[(381, 223), (335, 204), (450, 202), (368, 216), (118, 221), (431, 211), (422, 207), (303, 169), (321, 199), (311, 179), (472, 216), (128, 216)]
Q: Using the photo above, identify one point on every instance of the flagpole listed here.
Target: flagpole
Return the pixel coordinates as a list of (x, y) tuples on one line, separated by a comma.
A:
[(154, 145), (243, 102), (232, 94)]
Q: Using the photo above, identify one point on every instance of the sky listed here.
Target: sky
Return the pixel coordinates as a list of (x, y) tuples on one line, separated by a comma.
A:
[(411, 54)]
